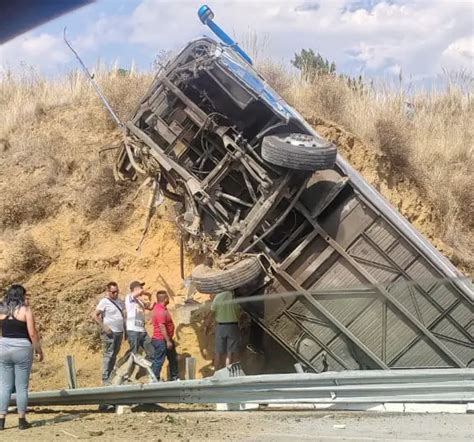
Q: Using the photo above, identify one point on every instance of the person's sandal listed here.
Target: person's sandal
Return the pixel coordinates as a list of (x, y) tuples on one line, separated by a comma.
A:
[(2, 423), (23, 424)]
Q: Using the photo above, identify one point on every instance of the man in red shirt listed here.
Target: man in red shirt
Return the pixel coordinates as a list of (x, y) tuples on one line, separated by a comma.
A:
[(163, 333)]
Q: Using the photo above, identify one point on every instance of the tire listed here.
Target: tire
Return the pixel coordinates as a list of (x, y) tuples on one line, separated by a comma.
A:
[(207, 280), (299, 151)]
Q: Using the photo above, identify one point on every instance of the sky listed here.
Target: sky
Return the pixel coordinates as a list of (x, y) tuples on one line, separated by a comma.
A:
[(420, 38)]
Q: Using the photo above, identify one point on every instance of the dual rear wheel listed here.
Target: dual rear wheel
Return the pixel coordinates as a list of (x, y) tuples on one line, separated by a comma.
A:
[(299, 152), (292, 151)]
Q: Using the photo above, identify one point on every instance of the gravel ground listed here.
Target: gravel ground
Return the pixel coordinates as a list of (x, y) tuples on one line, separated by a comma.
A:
[(201, 423)]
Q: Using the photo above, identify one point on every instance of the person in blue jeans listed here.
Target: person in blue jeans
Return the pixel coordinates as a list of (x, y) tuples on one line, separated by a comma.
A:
[(109, 314), (163, 334), (19, 341), (137, 336)]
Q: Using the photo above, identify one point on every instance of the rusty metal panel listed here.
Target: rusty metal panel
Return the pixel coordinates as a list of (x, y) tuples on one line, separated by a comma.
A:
[(347, 221), (274, 306), (465, 353), (303, 255), (448, 330), (286, 329), (324, 333), (308, 272), (391, 261), (348, 310), (455, 341), (313, 321), (412, 299), (407, 276)]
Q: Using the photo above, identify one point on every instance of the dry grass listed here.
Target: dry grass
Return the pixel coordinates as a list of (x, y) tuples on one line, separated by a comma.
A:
[(102, 193), (394, 143), (23, 205), (50, 136), (51, 132), (26, 257), (69, 321)]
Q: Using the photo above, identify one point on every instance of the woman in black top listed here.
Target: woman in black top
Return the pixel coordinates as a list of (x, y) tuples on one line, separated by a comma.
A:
[(18, 342)]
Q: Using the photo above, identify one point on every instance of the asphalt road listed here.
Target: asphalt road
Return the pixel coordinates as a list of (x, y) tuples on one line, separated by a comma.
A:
[(201, 424)]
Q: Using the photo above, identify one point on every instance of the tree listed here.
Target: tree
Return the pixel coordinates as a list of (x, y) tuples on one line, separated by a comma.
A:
[(311, 64), (314, 65), (123, 72)]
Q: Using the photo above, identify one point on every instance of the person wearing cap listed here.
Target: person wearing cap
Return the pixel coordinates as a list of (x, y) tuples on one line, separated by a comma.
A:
[(136, 332)]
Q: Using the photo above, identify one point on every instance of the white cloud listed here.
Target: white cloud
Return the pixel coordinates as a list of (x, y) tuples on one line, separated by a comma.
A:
[(459, 54), (105, 30), (415, 35), (374, 36), (33, 50)]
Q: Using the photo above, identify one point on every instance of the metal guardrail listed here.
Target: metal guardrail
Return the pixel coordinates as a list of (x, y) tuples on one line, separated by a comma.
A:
[(430, 385)]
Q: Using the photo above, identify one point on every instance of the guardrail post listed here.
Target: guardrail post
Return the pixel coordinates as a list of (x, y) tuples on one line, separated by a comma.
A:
[(71, 372), (298, 367), (190, 371)]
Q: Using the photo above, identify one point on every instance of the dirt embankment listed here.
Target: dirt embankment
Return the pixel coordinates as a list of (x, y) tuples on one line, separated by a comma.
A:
[(66, 228), (90, 254), (65, 294)]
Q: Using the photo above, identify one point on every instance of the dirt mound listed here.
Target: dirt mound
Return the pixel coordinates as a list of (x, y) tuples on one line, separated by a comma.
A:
[(59, 205), (89, 254)]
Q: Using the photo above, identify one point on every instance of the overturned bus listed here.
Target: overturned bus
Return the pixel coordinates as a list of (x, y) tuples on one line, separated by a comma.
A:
[(347, 282)]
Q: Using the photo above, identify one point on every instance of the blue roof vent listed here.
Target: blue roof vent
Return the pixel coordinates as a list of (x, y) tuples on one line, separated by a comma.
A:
[(206, 16), (205, 13)]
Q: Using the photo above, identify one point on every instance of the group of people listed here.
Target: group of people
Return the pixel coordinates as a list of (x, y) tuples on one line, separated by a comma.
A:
[(119, 320)]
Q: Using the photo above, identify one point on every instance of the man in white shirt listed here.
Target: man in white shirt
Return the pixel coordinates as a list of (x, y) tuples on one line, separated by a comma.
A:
[(110, 315), (136, 332)]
